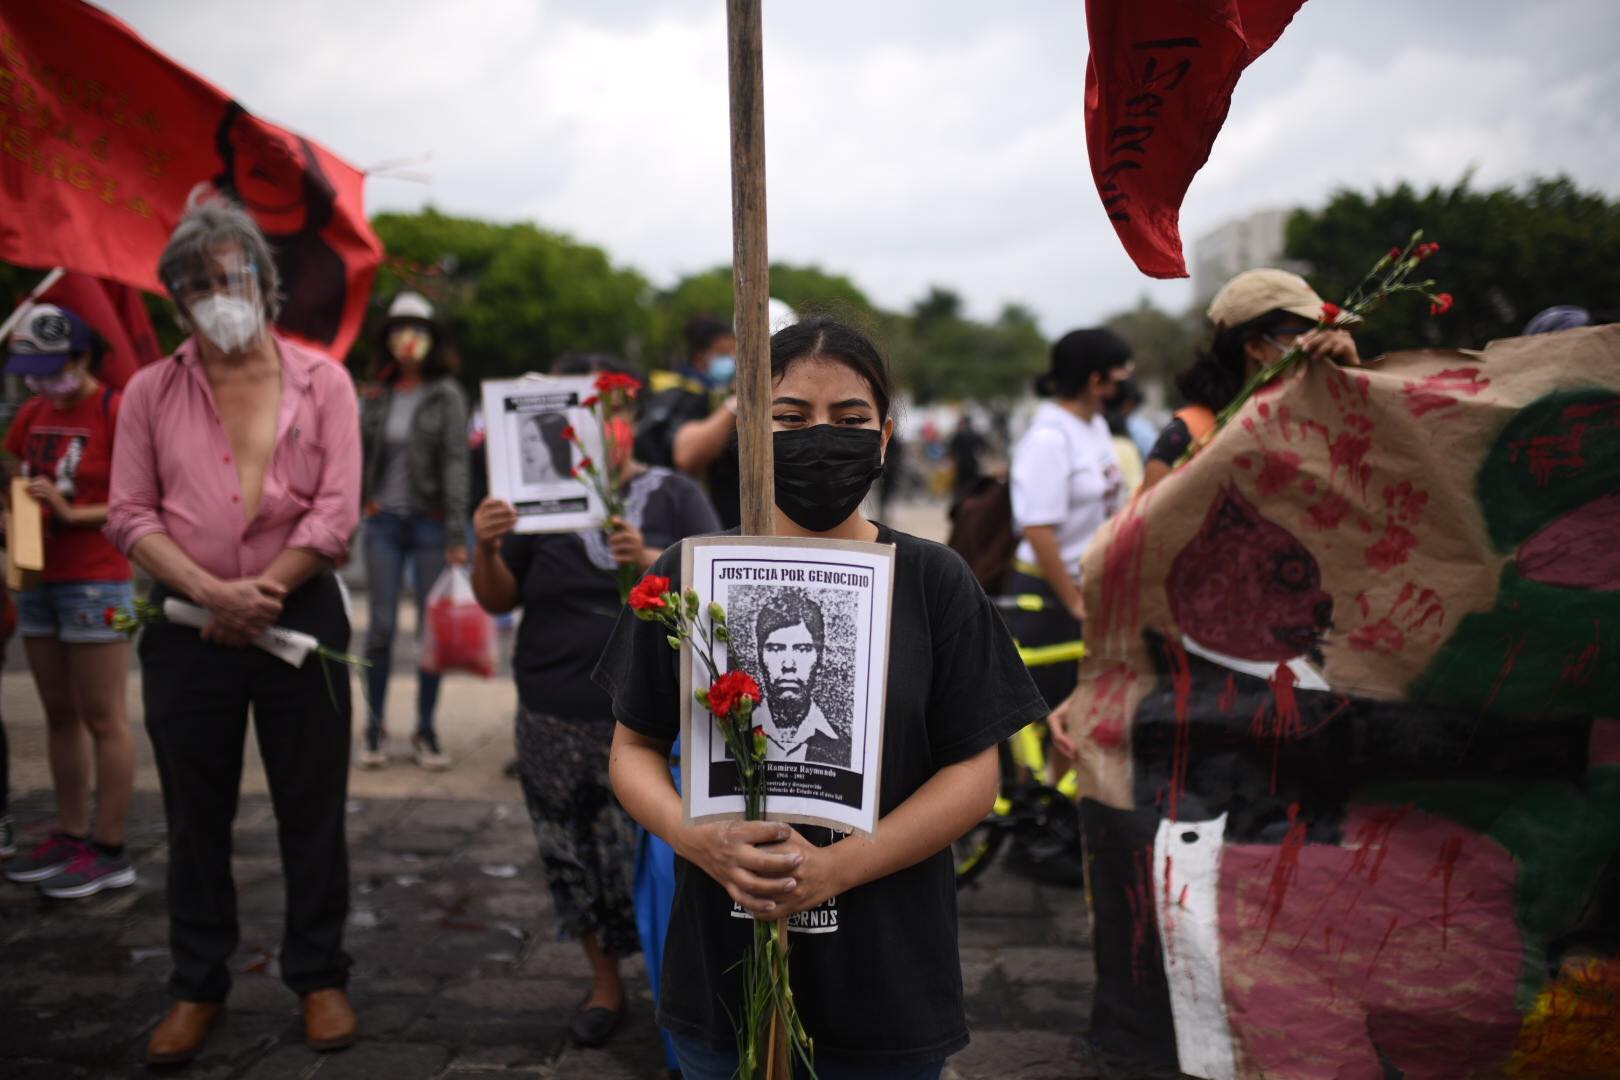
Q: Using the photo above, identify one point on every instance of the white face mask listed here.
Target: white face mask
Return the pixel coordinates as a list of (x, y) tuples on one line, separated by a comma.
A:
[(231, 322)]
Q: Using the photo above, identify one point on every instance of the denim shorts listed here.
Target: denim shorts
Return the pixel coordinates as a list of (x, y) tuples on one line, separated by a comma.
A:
[(74, 612)]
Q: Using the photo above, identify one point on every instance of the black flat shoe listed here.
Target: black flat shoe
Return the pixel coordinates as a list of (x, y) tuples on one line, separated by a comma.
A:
[(594, 1026)]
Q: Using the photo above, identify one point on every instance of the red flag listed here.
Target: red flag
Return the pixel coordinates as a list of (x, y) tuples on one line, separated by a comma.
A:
[(1158, 85), (117, 313), (102, 138)]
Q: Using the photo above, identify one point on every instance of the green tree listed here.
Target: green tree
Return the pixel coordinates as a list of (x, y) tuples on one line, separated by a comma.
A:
[(942, 355), (1161, 343), (516, 296), (1505, 254), (809, 290)]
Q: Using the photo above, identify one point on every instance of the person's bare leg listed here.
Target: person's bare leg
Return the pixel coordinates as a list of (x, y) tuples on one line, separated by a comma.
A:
[(607, 990), (99, 671), (68, 740)]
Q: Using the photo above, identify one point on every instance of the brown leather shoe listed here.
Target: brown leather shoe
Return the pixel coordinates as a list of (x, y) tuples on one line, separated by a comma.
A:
[(329, 1020), (181, 1033)]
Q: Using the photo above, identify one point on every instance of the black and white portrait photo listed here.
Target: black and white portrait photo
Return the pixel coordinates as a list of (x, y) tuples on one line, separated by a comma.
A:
[(801, 677), (531, 460), (545, 456), (808, 619)]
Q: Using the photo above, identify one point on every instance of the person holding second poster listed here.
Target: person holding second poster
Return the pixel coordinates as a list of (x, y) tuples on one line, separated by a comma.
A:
[(878, 984)]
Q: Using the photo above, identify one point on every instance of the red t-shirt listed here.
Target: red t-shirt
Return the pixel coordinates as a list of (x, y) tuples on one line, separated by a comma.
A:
[(74, 444)]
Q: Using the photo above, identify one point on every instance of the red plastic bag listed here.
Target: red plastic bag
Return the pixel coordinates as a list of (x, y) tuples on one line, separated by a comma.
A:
[(458, 635)]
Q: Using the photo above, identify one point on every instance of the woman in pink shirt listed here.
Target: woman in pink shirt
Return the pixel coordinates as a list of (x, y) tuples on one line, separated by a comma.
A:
[(236, 484)]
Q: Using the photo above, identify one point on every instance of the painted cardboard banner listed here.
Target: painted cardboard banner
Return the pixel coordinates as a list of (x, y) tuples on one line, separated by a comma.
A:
[(1351, 728)]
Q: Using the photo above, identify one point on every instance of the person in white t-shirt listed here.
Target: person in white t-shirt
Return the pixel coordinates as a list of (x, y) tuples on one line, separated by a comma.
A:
[(1066, 481)]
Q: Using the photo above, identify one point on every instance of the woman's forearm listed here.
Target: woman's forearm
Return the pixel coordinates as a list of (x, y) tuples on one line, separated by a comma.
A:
[(493, 584), (935, 816), (638, 768), (160, 556), (699, 443)]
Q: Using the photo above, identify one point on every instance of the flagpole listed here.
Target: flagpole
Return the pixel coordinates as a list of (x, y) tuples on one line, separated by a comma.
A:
[(34, 294), (751, 290), (750, 266)]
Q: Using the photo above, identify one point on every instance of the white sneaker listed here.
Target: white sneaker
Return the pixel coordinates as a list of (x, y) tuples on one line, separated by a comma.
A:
[(427, 753), (373, 758)]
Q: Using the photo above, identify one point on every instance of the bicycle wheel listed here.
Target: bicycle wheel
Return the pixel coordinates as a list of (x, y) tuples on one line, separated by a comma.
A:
[(976, 850)]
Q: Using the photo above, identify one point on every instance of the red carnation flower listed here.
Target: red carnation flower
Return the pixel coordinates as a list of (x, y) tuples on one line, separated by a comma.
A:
[(568, 433), (1394, 253), (1331, 312), (648, 595), (585, 465), (609, 381), (730, 688), (1441, 304), (758, 731), (1425, 250), (590, 402)]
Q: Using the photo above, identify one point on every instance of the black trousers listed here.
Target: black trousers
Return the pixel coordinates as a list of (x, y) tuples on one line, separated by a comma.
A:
[(197, 694)]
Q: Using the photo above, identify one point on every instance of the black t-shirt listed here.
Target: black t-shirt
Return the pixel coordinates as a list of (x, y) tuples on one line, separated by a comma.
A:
[(876, 973), (1171, 443), (569, 593)]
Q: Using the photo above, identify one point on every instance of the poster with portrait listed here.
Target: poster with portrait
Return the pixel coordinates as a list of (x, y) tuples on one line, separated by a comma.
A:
[(809, 620), (531, 460)]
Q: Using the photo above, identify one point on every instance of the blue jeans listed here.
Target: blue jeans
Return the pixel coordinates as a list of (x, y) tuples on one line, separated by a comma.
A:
[(699, 1061), (392, 540)]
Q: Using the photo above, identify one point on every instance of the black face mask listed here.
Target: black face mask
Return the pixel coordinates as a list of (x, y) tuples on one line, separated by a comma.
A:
[(823, 472)]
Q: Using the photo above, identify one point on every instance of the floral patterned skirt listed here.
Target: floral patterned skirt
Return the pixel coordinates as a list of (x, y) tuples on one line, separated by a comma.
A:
[(587, 841)]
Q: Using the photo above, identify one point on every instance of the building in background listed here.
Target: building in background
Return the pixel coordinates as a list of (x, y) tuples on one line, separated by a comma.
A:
[(1240, 244)]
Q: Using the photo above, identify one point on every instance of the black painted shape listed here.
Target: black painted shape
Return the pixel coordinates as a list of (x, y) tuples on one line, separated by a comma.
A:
[(1342, 744), (1131, 1021)]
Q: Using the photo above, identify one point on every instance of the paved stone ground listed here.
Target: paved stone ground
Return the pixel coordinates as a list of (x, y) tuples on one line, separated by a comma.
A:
[(457, 970)]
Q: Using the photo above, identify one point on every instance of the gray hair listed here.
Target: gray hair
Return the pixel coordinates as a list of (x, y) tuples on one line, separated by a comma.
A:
[(212, 221)]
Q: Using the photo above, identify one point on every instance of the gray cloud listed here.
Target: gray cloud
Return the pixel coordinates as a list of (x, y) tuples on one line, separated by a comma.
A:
[(910, 142)]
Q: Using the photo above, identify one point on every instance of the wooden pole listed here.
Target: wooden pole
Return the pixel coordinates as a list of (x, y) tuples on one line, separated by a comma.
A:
[(751, 291), (750, 266)]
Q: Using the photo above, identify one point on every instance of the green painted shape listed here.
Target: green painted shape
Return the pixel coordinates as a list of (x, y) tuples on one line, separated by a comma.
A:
[(1560, 835), (1517, 501), (1525, 656)]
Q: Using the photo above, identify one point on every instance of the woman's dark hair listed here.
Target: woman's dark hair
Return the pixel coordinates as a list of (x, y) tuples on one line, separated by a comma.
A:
[(435, 365), (1217, 374), (96, 355), (550, 425), (832, 340), (702, 331), (1077, 356)]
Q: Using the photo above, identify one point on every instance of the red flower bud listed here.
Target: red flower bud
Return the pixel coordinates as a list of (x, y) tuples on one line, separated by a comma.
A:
[(586, 465), (590, 402), (1394, 253), (1425, 250), (110, 615), (1331, 312), (1441, 304), (569, 433)]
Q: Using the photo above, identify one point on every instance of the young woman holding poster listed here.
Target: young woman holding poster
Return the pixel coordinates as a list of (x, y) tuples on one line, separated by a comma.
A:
[(876, 976)]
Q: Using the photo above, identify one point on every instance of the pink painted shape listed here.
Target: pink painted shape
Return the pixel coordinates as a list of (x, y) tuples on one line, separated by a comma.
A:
[(1403, 939), (1578, 551)]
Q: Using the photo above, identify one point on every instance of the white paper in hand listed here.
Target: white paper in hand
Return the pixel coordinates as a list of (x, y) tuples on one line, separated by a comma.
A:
[(291, 646)]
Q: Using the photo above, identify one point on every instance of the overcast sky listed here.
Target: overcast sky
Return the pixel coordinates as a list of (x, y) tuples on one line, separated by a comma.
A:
[(909, 142)]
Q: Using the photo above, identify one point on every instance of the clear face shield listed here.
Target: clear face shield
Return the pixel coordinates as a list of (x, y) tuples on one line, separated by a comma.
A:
[(222, 298)]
